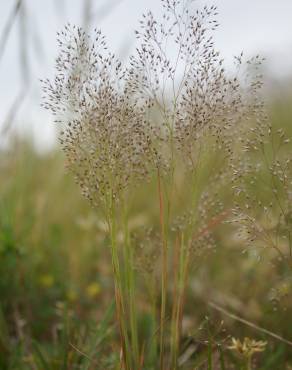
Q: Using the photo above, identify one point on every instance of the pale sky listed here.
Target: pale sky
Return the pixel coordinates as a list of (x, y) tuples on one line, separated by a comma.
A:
[(254, 26)]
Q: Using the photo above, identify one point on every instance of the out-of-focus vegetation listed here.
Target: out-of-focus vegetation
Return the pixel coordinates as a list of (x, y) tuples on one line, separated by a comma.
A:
[(56, 287), (57, 306)]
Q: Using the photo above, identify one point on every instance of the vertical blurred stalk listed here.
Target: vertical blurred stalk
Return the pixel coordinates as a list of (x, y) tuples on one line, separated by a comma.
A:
[(8, 26), (23, 44), (7, 123), (18, 8)]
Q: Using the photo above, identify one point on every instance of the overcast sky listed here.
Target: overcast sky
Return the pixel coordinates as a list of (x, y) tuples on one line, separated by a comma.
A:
[(254, 26)]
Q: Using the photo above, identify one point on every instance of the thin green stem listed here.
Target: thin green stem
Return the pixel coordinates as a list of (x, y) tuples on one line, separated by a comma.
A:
[(119, 298), (248, 363), (164, 274), (130, 284), (175, 307), (181, 278)]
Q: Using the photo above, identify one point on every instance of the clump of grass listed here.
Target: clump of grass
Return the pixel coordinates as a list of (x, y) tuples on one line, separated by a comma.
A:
[(165, 121)]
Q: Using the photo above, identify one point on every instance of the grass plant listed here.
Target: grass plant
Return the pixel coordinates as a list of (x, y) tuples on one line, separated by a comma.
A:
[(173, 200)]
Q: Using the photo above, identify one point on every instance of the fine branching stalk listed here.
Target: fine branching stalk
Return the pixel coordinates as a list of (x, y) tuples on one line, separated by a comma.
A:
[(167, 119)]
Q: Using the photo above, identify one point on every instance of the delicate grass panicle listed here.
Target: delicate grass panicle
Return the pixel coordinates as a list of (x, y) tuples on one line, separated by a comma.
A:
[(168, 116), (264, 218), (262, 174), (105, 134)]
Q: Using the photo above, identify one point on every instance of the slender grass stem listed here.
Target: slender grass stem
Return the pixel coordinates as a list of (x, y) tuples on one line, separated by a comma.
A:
[(181, 279), (248, 363), (164, 274), (130, 284), (119, 297), (175, 305)]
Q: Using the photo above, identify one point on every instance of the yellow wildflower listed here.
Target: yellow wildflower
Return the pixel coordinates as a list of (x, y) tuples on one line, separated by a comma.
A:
[(93, 289), (46, 280)]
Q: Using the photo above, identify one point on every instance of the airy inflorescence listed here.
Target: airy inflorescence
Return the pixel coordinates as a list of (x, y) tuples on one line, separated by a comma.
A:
[(170, 104)]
